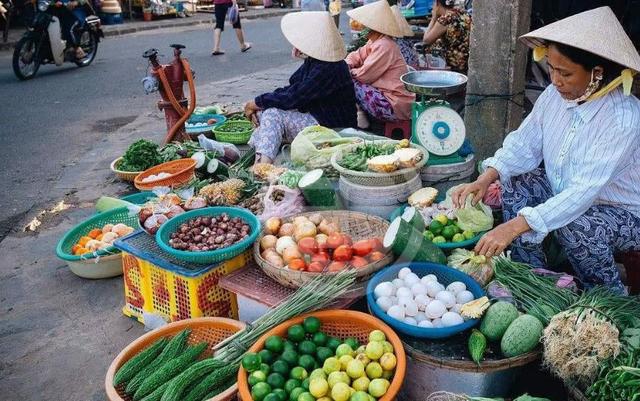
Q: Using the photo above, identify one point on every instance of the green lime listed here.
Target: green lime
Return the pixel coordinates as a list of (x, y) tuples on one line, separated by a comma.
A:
[(353, 343), (290, 384), (305, 383), (439, 240), (307, 362), (260, 391), (274, 344), (264, 368), (458, 238), (257, 377), (290, 357), (281, 394), (298, 373), (266, 356), (271, 397), (428, 235), (289, 345), (307, 347), (359, 396), (323, 353), (281, 367), (276, 380), (295, 393), (311, 324), (320, 339), (296, 333), (333, 343), (251, 362), (458, 229), (448, 232), (436, 227), (468, 234), (306, 396)]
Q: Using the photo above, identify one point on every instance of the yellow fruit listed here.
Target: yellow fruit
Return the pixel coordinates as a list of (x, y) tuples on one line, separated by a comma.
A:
[(374, 350), (377, 335), (387, 374), (338, 377), (361, 383), (324, 399), (378, 387), (361, 349), (340, 392), (442, 218), (363, 358), (344, 361), (387, 347), (344, 349), (388, 361), (355, 369), (374, 370), (331, 365), (318, 373), (318, 387)]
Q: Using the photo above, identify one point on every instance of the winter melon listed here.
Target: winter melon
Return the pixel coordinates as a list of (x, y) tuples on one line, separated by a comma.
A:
[(497, 319), (413, 217), (522, 336)]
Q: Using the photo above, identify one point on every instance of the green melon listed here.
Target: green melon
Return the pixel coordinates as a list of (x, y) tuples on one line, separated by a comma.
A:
[(496, 320), (522, 336)]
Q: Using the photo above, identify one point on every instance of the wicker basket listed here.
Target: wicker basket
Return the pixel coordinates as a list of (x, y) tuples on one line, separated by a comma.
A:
[(341, 324), (123, 175), (357, 225), (374, 179), (181, 170), (210, 329), (236, 138)]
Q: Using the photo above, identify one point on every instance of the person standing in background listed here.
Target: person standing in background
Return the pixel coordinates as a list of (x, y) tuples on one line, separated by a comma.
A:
[(222, 7)]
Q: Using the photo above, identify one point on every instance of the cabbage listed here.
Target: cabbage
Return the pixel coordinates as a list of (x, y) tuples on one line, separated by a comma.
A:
[(476, 218)]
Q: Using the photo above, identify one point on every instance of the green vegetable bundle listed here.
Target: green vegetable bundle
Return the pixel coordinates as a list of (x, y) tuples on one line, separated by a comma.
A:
[(180, 150), (141, 155), (356, 160)]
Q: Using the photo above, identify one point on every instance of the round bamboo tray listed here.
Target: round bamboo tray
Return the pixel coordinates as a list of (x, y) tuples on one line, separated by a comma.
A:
[(181, 172), (213, 330), (357, 225), (123, 175), (341, 324)]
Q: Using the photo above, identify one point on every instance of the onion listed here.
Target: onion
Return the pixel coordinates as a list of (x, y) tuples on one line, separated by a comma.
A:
[(268, 241), (272, 225), (328, 228), (321, 239), (283, 243), (291, 253), (286, 230), (273, 258), (315, 218), (304, 229)]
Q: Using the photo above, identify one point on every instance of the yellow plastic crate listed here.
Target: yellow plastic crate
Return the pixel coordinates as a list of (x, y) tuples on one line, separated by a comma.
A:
[(156, 285)]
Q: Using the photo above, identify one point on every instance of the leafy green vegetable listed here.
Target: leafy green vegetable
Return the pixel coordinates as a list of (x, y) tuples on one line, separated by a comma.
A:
[(182, 150), (357, 159), (290, 178), (476, 218), (140, 155)]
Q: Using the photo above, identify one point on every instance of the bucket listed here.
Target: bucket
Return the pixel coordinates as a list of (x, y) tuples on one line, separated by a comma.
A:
[(444, 176), (492, 378)]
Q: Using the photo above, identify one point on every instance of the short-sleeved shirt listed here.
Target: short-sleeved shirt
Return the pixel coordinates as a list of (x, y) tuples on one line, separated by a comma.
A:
[(455, 42)]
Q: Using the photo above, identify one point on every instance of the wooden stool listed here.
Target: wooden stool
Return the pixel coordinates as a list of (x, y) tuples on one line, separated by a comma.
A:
[(391, 129), (631, 262)]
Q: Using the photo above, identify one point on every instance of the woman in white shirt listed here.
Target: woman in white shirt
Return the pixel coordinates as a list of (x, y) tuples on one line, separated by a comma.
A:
[(573, 165)]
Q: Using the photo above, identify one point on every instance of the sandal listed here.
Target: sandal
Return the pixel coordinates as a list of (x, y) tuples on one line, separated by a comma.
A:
[(80, 54), (247, 46), (217, 53)]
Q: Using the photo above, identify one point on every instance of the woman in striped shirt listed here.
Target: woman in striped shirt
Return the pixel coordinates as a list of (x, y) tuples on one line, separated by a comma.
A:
[(573, 166)]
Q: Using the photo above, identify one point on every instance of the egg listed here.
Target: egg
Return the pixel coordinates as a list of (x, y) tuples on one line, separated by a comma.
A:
[(403, 273), (456, 287), (420, 316), (456, 308), (394, 300), (419, 289), (463, 297), (411, 279), (451, 319), (410, 309), (384, 289), (426, 324), (433, 288), (447, 298), (437, 323), (404, 292), (398, 283), (435, 309), (428, 278), (410, 320), (403, 301), (422, 301), (384, 303), (396, 312)]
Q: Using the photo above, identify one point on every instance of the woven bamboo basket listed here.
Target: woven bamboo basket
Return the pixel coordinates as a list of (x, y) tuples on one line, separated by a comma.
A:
[(357, 225), (391, 195), (375, 179), (181, 170), (341, 324), (123, 175), (213, 330)]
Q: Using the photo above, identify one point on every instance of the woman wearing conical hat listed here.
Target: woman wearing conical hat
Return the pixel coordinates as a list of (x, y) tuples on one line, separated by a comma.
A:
[(377, 66), (572, 168), (409, 54), (319, 92)]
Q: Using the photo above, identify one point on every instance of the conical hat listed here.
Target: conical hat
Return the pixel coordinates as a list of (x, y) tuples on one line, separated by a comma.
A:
[(404, 26), (378, 17), (315, 34), (596, 31)]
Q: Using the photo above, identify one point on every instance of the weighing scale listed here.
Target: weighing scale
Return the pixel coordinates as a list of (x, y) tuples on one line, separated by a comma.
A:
[(434, 124)]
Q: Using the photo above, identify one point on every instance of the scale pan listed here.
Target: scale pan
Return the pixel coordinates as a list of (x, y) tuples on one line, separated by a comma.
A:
[(434, 82)]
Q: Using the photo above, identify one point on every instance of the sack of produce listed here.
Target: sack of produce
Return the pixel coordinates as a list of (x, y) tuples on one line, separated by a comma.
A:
[(314, 146), (283, 206)]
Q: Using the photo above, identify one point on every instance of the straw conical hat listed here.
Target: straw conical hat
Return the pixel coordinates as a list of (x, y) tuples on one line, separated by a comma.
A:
[(315, 34), (404, 26), (596, 31), (378, 17)]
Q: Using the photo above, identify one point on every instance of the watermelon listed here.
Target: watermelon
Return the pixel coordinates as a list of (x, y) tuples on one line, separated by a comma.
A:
[(522, 336), (497, 319)]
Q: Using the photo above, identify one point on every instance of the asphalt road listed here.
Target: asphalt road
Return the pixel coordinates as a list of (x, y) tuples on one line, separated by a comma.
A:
[(49, 121)]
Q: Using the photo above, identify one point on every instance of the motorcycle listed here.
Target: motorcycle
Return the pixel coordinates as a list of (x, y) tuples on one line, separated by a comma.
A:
[(43, 43)]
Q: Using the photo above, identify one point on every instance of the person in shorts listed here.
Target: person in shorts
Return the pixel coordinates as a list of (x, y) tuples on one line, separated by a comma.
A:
[(221, 10)]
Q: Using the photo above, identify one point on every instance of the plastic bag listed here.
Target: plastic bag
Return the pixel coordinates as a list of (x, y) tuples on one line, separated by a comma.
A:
[(476, 218), (314, 146), (478, 267), (291, 204), (230, 152)]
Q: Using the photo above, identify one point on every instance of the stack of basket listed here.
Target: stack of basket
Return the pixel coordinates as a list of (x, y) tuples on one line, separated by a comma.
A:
[(444, 176), (111, 12)]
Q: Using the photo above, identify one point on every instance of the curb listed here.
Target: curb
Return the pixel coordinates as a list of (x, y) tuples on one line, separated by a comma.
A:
[(125, 30)]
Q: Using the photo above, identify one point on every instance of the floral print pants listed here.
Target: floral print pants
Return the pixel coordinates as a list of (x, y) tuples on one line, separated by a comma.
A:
[(409, 54), (373, 102), (590, 241), (277, 126)]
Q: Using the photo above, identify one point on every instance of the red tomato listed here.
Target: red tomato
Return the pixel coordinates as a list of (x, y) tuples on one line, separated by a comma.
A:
[(335, 240), (376, 244), (346, 240), (308, 246), (336, 266), (343, 253), (321, 257), (297, 264), (316, 267), (359, 262), (362, 247), (376, 256)]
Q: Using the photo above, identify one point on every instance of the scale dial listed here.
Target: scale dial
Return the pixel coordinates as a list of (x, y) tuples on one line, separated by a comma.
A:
[(440, 130)]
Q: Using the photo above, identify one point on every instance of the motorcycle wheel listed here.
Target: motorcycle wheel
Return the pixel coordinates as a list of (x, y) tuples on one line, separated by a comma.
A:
[(89, 43), (26, 58)]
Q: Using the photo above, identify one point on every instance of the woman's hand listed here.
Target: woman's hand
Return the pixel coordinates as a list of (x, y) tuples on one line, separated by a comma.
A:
[(250, 111), (497, 240), (478, 188)]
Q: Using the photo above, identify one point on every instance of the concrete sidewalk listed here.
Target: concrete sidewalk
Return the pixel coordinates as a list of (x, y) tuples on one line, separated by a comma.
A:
[(129, 26)]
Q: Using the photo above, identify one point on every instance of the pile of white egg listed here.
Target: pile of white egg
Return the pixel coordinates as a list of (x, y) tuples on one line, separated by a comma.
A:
[(422, 301)]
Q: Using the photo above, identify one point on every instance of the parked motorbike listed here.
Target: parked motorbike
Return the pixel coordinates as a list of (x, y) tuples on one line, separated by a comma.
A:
[(43, 43)]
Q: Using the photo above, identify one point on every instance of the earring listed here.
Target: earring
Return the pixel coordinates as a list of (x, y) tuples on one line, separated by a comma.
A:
[(593, 86)]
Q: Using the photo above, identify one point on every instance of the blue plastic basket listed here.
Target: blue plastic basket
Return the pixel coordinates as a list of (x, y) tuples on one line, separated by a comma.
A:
[(203, 118), (445, 275), (443, 245), (208, 257)]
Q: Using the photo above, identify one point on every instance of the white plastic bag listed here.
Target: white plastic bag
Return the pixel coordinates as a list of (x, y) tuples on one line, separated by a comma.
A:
[(291, 204)]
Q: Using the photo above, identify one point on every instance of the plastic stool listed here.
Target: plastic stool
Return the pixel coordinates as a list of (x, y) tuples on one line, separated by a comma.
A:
[(392, 127)]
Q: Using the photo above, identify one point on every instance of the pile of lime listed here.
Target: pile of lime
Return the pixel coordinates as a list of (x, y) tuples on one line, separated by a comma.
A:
[(443, 229), (309, 365)]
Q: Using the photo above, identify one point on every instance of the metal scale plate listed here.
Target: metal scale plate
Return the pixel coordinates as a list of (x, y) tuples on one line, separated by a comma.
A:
[(435, 125)]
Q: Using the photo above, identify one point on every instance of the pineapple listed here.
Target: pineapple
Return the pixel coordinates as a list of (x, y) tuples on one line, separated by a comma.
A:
[(232, 191), (475, 309)]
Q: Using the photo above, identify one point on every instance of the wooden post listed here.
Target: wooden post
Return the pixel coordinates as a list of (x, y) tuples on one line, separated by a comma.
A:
[(497, 64)]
